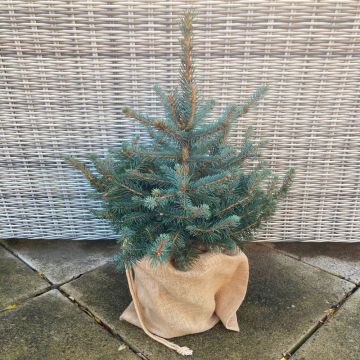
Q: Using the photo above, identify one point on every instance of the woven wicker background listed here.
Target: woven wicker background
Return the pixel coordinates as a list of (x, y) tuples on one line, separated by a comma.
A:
[(68, 67)]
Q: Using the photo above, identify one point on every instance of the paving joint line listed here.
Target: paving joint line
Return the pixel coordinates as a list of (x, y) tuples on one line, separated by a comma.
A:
[(22, 301), (41, 274), (104, 325), (51, 285), (329, 313), (12, 252), (285, 356), (312, 265), (84, 309)]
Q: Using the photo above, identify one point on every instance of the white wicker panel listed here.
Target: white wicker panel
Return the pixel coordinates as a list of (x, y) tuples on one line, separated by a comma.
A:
[(68, 67)]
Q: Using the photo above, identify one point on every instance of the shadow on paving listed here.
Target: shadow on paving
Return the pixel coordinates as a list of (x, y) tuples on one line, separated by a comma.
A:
[(285, 298)]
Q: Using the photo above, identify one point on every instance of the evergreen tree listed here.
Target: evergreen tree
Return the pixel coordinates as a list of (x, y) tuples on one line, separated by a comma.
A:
[(188, 190)]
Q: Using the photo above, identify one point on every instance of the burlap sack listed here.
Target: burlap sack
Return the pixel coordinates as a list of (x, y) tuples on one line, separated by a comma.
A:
[(174, 303)]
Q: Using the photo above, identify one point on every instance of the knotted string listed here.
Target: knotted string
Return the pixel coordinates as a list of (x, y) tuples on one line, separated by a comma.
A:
[(182, 350)]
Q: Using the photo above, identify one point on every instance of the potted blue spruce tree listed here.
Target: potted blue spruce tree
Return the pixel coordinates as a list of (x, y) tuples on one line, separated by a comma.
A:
[(183, 205)]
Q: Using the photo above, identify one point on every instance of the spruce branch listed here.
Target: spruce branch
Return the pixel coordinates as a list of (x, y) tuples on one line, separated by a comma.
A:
[(157, 123), (220, 125), (243, 199), (93, 180), (224, 224), (152, 154), (287, 182), (254, 99), (193, 101), (174, 113), (135, 174), (209, 181), (244, 109), (189, 92), (123, 186), (169, 105), (186, 27)]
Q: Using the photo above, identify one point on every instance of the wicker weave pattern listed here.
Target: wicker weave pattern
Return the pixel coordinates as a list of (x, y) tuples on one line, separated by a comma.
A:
[(68, 67)]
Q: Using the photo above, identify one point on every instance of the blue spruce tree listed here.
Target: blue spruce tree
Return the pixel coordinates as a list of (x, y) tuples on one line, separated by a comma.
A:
[(187, 191)]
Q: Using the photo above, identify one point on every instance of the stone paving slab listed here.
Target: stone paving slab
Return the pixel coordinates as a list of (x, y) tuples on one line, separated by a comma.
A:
[(339, 338), (285, 298), (61, 261), (17, 281), (51, 327), (338, 258)]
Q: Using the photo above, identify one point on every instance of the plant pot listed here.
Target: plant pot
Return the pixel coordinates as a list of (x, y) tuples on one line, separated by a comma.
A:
[(174, 303)]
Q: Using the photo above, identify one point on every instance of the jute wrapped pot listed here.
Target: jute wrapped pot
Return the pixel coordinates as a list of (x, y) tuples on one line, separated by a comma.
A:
[(168, 302)]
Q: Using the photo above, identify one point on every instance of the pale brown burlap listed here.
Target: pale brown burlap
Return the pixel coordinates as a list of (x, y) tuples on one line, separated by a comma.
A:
[(173, 303)]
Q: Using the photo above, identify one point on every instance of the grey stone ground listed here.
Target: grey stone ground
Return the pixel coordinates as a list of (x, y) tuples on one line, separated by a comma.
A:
[(62, 260), (49, 326), (62, 300)]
